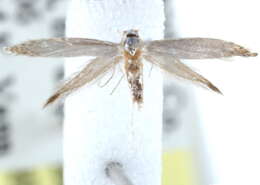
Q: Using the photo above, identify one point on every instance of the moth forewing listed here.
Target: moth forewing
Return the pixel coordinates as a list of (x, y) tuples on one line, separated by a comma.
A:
[(198, 48), (175, 67), (92, 71), (64, 47)]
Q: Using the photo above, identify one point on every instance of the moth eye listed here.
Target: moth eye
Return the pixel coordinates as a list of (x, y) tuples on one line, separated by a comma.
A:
[(131, 35)]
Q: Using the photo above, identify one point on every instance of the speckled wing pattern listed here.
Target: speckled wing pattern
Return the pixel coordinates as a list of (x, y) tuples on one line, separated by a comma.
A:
[(64, 47), (198, 48)]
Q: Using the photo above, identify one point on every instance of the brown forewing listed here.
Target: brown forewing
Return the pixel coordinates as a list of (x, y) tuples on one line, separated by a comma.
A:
[(64, 47), (92, 71), (197, 48), (180, 70)]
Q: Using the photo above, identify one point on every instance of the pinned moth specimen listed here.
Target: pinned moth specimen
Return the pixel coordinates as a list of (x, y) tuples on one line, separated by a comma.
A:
[(165, 54)]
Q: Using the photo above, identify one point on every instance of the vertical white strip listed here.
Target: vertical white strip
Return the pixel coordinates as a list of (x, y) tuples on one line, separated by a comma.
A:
[(101, 128)]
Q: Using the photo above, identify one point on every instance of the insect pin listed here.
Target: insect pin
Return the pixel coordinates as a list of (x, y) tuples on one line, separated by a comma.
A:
[(133, 51)]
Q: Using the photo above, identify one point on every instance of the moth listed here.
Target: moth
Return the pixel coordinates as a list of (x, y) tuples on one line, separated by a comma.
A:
[(133, 51)]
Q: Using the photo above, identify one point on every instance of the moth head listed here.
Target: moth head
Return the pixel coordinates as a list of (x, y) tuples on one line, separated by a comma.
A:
[(131, 41)]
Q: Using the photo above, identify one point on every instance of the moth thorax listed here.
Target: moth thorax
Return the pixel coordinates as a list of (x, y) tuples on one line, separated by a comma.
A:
[(131, 44)]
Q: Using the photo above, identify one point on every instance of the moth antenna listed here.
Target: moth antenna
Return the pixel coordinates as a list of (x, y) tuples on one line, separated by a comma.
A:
[(150, 71), (110, 78), (118, 31), (118, 83)]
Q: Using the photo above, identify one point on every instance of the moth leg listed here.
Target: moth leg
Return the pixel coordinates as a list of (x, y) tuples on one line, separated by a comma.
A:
[(150, 71), (118, 83), (108, 80)]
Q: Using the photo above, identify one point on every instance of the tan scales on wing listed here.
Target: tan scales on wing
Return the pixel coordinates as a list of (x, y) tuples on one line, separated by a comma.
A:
[(180, 70), (93, 70)]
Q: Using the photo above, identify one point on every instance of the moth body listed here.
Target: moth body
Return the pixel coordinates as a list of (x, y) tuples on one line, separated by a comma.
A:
[(132, 52)]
